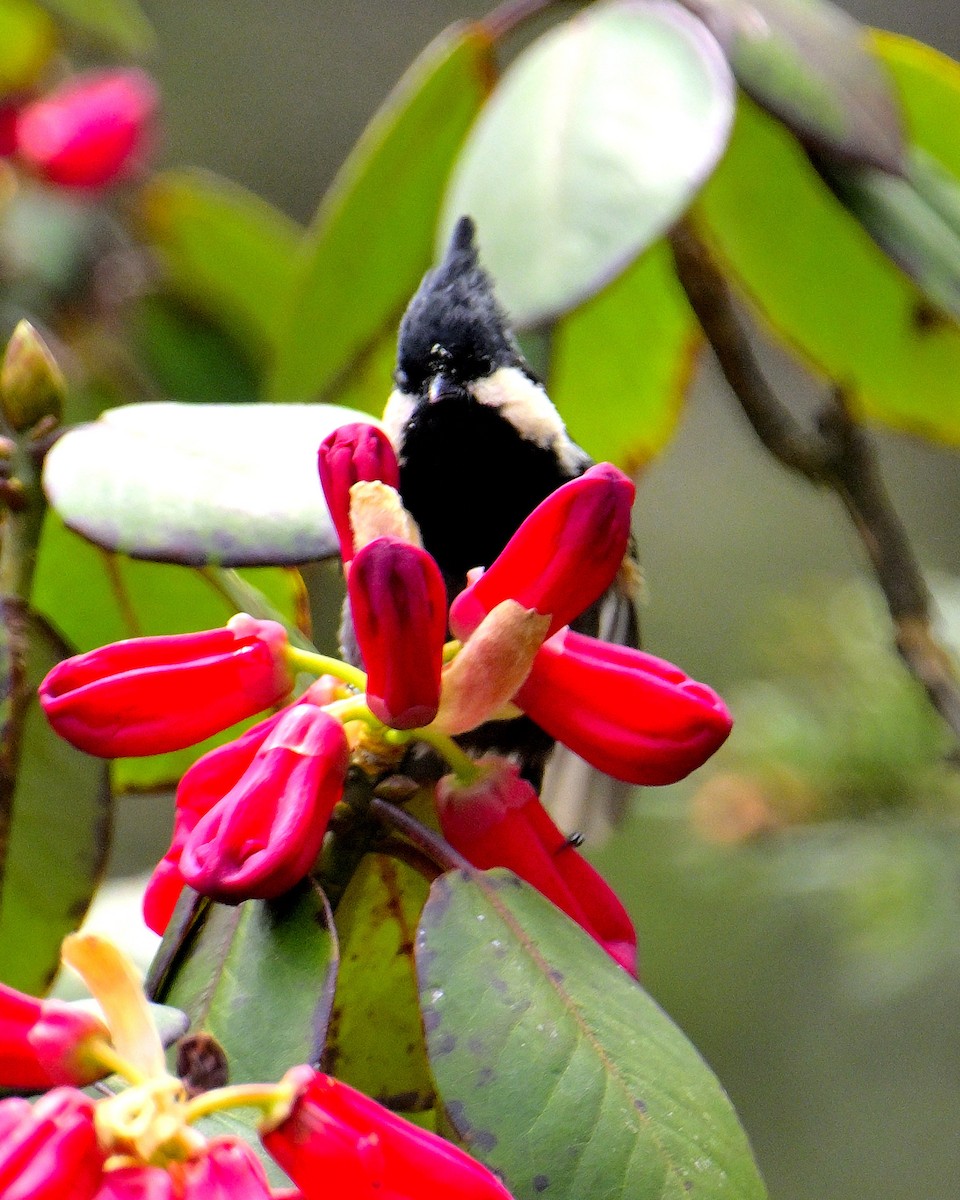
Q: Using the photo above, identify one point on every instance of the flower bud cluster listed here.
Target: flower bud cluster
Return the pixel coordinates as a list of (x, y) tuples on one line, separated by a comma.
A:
[(141, 1143), (91, 131), (251, 815)]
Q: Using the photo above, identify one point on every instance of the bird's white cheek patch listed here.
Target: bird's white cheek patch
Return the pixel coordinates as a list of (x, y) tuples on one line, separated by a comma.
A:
[(397, 413), (529, 410)]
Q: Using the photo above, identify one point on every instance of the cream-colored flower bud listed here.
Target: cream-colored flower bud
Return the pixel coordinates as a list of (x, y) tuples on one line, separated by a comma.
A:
[(376, 510)]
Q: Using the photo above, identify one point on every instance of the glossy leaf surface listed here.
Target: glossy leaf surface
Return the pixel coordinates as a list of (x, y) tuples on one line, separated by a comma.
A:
[(533, 1033), (808, 63), (376, 1042), (224, 248), (620, 363), (54, 834), (234, 971), (816, 276), (225, 484), (372, 238), (592, 145)]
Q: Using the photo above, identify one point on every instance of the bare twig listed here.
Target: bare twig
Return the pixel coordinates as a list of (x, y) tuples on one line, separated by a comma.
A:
[(836, 454), (430, 844)]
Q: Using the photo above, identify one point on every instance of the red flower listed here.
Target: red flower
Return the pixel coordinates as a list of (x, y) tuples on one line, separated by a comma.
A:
[(399, 606), (500, 822), (49, 1151), (89, 132), (352, 454), (338, 1142), (228, 1169), (562, 558), (42, 1042), (262, 837), (150, 695), (627, 713), (203, 785), (136, 1183)]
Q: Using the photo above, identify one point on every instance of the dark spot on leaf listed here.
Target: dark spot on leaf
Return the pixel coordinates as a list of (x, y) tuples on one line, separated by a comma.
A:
[(640, 1105), (457, 1114), (485, 1075), (483, 1139), (431, 1020), (445, 1043), (498, 984), (541, 1183), (202, 1063), (555, 976), (477, 1046), (405, 949), (927, 318), (688, 1185), (438, 902)]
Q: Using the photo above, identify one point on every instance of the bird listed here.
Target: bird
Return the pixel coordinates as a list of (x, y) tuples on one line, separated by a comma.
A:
[(480, 445)]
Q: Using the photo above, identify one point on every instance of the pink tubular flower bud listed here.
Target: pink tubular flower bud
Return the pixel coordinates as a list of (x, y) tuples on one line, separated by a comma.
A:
[(43, 1042), (562, 558), (262, 837), (352, 454), (89, 132), (627, 713), (49, 1150), (398, 603), (228, 1169), (500, 822), (137, 1183), (151, 695), (338, 1142)]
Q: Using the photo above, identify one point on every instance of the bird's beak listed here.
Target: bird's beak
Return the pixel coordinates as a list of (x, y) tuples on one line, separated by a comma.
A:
[(442, 387)]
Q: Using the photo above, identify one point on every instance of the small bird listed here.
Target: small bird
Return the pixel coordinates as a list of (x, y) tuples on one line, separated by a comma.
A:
[(480, 445)]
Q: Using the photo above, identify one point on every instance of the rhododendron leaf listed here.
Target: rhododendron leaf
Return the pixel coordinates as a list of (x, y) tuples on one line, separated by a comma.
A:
[(120, 25), (54, 830), (235, 970), (376, 1042), (223, 484), (110, 597), (372, 238), (808, 63), (816, 276), (225, 249), (592, 145), (620, 363), (532, 1032)]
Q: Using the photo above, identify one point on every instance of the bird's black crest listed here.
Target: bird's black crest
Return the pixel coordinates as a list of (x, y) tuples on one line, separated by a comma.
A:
[(454, 322)]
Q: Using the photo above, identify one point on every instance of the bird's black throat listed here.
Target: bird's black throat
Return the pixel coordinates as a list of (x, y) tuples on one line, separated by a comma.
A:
[(469, 479)]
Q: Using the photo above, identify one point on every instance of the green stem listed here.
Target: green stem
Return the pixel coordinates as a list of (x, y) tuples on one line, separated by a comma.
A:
[(465, 769), (242, 1095), (353, 709), (323, 664)]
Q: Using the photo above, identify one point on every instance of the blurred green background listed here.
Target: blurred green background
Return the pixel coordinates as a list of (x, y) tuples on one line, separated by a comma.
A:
[(807, 937)]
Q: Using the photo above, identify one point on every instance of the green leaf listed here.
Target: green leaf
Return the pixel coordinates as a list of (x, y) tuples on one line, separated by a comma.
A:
[(119, 24), (28, 38), (226, 484), (619, 365), (592, 145), (807, 62), (376, 1042), (224, 249), (556, 1067), (54, 833), (372, 238), (93, 597), (187, 355), (914, 219), (258, 977), (815, 275), (928, 87)]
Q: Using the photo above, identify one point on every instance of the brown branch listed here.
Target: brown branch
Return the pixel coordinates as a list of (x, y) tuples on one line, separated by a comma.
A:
[(431, 845), (836, 454)]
